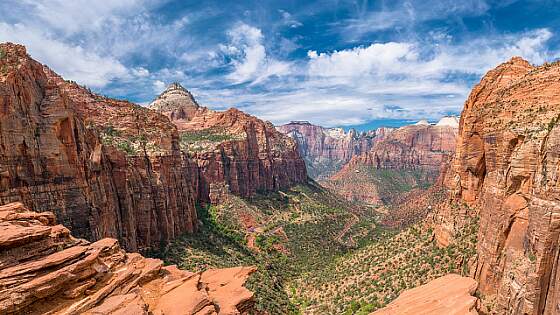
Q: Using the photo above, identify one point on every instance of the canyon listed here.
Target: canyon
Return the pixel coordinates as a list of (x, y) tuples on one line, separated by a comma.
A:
[(506, 168), (459, 217), (405, 158), (231, 147), (46, 270), (326, 150), (112, 168)]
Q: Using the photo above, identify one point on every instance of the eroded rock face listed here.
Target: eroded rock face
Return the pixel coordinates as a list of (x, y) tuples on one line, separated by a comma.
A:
[(247, 154), (326, 150), (107, 168), (412, 147), (507, 168), (43, 269), (409, 155), (111, 168), (447, 295)]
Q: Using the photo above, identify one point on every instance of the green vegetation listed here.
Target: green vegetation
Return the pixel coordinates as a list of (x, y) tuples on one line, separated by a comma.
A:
[(294, 232), (385, 184), (553, 123), (374, 275), (196, 140), (113, 137), (218, 246), (322, 169), (2, 53), (131, 145), (315, 253)]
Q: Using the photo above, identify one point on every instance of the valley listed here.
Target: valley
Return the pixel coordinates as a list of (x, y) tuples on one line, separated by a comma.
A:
[(175, 208)]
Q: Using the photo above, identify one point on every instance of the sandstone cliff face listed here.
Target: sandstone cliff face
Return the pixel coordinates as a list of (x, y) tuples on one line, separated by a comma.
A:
[(176, 103), (326, 150), (507, 167), (43, 269), (407, 157), (412, 147), (236, 149), (111, 168), (58, 151)]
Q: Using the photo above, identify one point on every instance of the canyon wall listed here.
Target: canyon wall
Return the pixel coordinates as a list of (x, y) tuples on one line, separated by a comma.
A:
[(111, 168), (507, 170), (420, 146), (408, 157), (44, 270), (326, 150), (53, 157)]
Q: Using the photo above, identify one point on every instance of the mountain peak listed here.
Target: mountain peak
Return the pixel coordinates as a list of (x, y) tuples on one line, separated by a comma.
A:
[(175, 86), (449, 121), (176, 102)]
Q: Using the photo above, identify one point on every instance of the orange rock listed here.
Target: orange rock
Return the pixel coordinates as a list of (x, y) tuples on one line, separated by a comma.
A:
[(326, 150), (57, 274), (447, 295), (421, 147), (507, 169), (111, 168), (252, 156)]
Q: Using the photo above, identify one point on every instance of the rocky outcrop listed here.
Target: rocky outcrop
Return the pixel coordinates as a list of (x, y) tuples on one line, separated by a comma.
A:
[(107, 168), (407, 157), (447, 295), (233, 148), (326, 150), (507, 169), (43, 269)]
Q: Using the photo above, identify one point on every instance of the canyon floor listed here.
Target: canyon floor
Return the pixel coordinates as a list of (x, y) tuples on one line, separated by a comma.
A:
[(317, 253)]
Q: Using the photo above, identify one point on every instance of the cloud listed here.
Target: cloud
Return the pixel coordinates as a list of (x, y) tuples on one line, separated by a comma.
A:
[(249, 57), (332, 65), (289, 20), (403, 80), (71, 17), (406, 14), (376, 59), (71, 61)]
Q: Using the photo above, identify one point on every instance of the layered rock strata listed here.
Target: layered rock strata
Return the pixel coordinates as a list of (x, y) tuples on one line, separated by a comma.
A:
[(107, 168), (507, 170), (407, 157), (247, 154), (111, 168), (412, 147), (43, 269)]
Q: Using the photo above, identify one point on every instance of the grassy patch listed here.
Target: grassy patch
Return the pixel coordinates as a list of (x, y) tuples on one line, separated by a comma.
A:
[(218, 246)]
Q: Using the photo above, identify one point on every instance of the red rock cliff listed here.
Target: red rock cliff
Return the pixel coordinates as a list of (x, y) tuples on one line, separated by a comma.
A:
[(108, 168), (412, 147), (507, 168), (326, 150), (407, 157), (111, 168), (44, 270)]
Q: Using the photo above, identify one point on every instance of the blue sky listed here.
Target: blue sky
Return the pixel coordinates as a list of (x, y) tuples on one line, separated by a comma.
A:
[(334, 63)]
